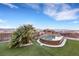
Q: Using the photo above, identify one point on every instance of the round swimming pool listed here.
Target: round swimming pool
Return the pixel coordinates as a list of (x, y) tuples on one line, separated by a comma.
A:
[(51, 39)]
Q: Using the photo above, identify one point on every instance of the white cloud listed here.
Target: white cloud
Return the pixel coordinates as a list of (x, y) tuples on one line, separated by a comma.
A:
[(29, 22), (65, 7), (61, 11), (67, 15), (48, 27), (34, 6), (49, 9), (58, 11), (4, 24), (75, 22), (2, 21), (10, 5)]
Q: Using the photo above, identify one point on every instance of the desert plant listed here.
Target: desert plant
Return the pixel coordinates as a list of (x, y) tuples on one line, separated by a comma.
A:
[(23, 35)]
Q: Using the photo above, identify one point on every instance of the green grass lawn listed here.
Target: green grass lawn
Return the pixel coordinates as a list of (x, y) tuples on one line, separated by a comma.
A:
[(71, 48)]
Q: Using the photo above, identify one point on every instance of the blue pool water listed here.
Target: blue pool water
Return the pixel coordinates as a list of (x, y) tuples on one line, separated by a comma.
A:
[(48, 37)]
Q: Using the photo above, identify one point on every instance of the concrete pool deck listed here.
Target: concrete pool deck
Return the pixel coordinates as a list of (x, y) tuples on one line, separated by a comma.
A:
[(61, 45)]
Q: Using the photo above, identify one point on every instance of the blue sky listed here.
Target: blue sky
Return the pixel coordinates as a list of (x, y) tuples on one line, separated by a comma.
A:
[(53, 16)]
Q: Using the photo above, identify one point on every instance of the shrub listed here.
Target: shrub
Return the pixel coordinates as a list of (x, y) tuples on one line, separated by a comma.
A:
[(23, 35)]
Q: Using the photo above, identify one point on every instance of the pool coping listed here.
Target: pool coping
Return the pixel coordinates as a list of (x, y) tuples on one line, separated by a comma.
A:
[(61, 45)]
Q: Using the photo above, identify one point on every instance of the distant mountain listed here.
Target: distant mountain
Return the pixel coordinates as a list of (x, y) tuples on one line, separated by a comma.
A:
[(66, 30), (6, 30)]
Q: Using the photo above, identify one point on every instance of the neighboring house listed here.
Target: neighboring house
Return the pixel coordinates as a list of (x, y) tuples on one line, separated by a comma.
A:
[(5, 34), (71, 35), (48, 31)]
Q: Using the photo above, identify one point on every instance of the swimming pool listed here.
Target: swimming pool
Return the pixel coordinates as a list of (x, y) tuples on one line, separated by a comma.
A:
[(48, 37), (51, 39)]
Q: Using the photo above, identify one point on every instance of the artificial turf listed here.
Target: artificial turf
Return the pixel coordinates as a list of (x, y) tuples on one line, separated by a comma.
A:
[(71, 48)]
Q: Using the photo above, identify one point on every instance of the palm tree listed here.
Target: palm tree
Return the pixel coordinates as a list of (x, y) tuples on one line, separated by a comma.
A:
[(23, 35)]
